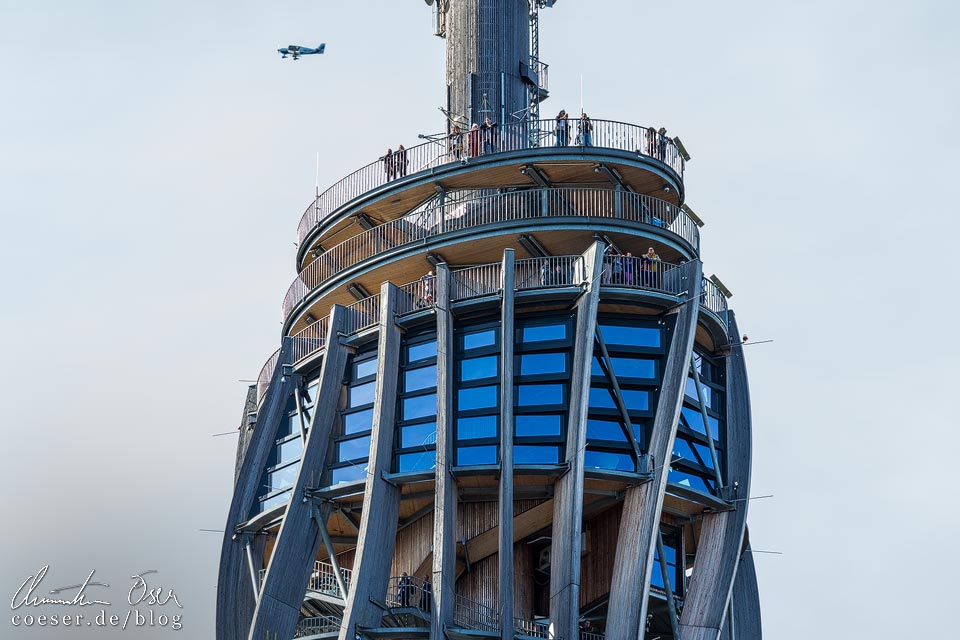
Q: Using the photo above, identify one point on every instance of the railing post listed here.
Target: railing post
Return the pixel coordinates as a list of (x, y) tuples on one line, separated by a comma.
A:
[(618, 202)]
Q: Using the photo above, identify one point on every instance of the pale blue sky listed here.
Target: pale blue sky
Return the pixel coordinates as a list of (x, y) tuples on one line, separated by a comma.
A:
[(155, 158)]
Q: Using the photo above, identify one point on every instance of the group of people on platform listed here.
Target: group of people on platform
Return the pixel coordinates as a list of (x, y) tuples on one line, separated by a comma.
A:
[(584, 130), (628, 270), (480, 139), (412, 592), (395, 163)]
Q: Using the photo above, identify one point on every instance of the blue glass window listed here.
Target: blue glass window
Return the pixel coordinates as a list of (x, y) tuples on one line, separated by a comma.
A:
[(694, 420), (656, 578), (289, 450), (691, 392), (353, 449), (478, 427), (418, 435), (350, 473), (541, 363), (615, 334), (531, 395), (418, 352), (365, 368), (545, 332), (537, 425), (418, 461), (608, 460), (535, 454), (602, 398), (477, 398), (467, 456), (282, 478), (691, 481), (311, 393), (280, 498), (422, 378), (479, 339), (692, 452), (478, 368), (362, 394), (419, 406), (358, 421), (605, 430), (289, 426)]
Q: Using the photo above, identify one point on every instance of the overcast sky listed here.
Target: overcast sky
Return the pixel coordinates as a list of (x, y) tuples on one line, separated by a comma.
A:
[(155, 158)]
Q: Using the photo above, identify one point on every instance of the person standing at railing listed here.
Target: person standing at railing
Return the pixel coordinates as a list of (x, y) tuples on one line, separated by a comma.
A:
[(488, 131), (544, 272), (585, 130), (426, 594), (388, 166), (474, 140), (662, 144), (651, 142), (427, 281), (400, 161), (649, 265), (617, 267), (629, 264), (456, 143), (562, 129), (404, 587)]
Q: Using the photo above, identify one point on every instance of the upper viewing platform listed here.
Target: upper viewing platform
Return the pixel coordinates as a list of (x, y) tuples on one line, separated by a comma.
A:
[(632, 157)]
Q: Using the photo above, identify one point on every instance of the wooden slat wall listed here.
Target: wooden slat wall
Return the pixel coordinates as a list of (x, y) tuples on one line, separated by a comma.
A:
[(413, 545), (596, 567)]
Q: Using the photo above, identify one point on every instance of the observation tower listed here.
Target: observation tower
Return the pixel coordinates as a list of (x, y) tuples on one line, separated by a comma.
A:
[(507, 402)]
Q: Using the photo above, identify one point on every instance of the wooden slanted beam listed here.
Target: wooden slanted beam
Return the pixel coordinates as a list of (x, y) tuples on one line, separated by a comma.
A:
[(299, 539), (505, 538), (381, 499), (640, 522)]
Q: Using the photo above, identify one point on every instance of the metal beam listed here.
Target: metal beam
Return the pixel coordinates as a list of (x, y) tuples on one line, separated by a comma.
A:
[(665, 575), (320, 518)]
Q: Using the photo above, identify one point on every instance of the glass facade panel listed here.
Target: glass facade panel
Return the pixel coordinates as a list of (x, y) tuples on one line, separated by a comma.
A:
[(602, 398), (417, 435), (479, 339), (670, 551), (542, 363), (539, 425), (611, 460), (478, 427), (531, 395), (419, 406), (362, 394), (421, 378), (478, 368), (477, 398), (417, 461), (692, 452), (691, 392), (422, 351), (282, 478), (694, 420), (270, 503), (353, 449), (349, 473), (621, 335), (289, 450), (535, 454), (605, 430), (691, 481), (358, 421), (365, 368), (544, 333), (467, 456)]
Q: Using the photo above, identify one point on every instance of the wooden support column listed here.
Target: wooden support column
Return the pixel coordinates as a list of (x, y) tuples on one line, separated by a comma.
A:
[(236, 600), (381, 499), (721, 534), (746, 598), (445, 503), (568, 490), (640, 522), (505, 549), (299, 539)]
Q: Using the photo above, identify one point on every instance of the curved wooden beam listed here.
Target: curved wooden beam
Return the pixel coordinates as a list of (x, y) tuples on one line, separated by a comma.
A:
[(640, 522), (721, 534)]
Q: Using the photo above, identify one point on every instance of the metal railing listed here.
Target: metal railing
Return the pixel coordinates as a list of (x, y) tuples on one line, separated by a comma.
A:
[(554, 271), (462, 146), (410, 592), (487, 210), (471, 282), (266, 374), (712, 300), (324, 579), (589, 635), (530, 628), (416, 295), (642, 273), (316, 625), (362, 314), (468, 614), (311, 339)]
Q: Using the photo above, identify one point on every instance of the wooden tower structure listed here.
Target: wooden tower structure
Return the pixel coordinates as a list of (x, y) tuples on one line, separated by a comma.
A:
[(507, 402)]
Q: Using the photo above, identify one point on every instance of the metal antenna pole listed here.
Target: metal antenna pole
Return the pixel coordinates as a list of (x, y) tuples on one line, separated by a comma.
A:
[(533, 113)]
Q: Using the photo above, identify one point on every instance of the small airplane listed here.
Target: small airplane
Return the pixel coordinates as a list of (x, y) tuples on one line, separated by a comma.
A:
[(296, 51)]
